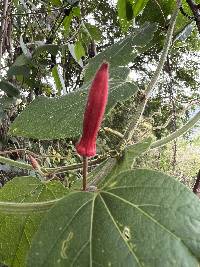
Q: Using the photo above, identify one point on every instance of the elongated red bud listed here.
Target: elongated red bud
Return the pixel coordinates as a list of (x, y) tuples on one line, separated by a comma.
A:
[(94, 112)]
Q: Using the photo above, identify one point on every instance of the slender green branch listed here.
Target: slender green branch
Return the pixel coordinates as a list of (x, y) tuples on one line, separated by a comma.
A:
[(136, 119), (49, 171), (26, 208), (178, 133)]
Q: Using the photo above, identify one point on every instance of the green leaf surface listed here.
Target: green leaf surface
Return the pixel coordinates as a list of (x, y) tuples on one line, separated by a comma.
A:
[(139, 6), (9, 88), (93, 31), (56, 118), (16, 231), (67, 21), (79, 50), (23, 70), (144, 218), (50, 48), (6, 102), (124, 51), (127, 160), (56, 78), (125, 13)]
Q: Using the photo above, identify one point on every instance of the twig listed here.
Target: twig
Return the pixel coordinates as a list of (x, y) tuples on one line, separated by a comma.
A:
[(116, 133)]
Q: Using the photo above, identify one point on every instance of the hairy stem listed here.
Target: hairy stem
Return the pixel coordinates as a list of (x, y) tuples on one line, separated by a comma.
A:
[(178, 133), (133, 124)]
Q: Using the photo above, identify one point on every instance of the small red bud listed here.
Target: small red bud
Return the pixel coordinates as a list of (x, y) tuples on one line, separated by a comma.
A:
[(34, 163), (94, 112)]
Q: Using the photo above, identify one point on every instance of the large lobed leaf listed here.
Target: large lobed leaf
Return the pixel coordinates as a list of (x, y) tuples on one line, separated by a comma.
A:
[(124, 51), (140, 218), (55, 118), (17, 230), (61, 117)]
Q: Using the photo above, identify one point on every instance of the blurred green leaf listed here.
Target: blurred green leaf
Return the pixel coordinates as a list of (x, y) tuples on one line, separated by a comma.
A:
[(139, 6), (56, 3), (50, 48), (79, 50), (58, 80), (125, 13), (9, 88), (93, 31)]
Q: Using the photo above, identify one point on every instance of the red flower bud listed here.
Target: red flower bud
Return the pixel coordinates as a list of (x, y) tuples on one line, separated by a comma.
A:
[(34, 163), (94, 112)]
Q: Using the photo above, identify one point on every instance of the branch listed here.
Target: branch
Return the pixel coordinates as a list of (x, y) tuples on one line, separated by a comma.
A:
[(178, 133), (133, 124), (196, 12)]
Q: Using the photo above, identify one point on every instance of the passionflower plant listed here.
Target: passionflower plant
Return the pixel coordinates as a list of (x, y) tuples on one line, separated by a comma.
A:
[(94, 112)]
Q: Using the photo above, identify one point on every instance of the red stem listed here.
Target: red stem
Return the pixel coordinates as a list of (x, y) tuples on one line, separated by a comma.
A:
[(85, 170)]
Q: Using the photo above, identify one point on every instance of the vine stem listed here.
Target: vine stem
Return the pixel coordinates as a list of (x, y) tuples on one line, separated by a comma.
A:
[(177, 133), (136, 119), (85, 171)]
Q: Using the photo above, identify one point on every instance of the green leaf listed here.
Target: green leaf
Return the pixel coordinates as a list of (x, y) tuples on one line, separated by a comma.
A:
[(76, 11), (58, 80), (134, 151), (79, 50), (9, 88), (124, 51), (127, 160), (125, 13), (67, 21), (16, 231), (139, 6), (93, 31), (18, 70), (71, 48), (56, 3), (144, 218), (56, 118), (21, 66), (6, 102), (50, 48)]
